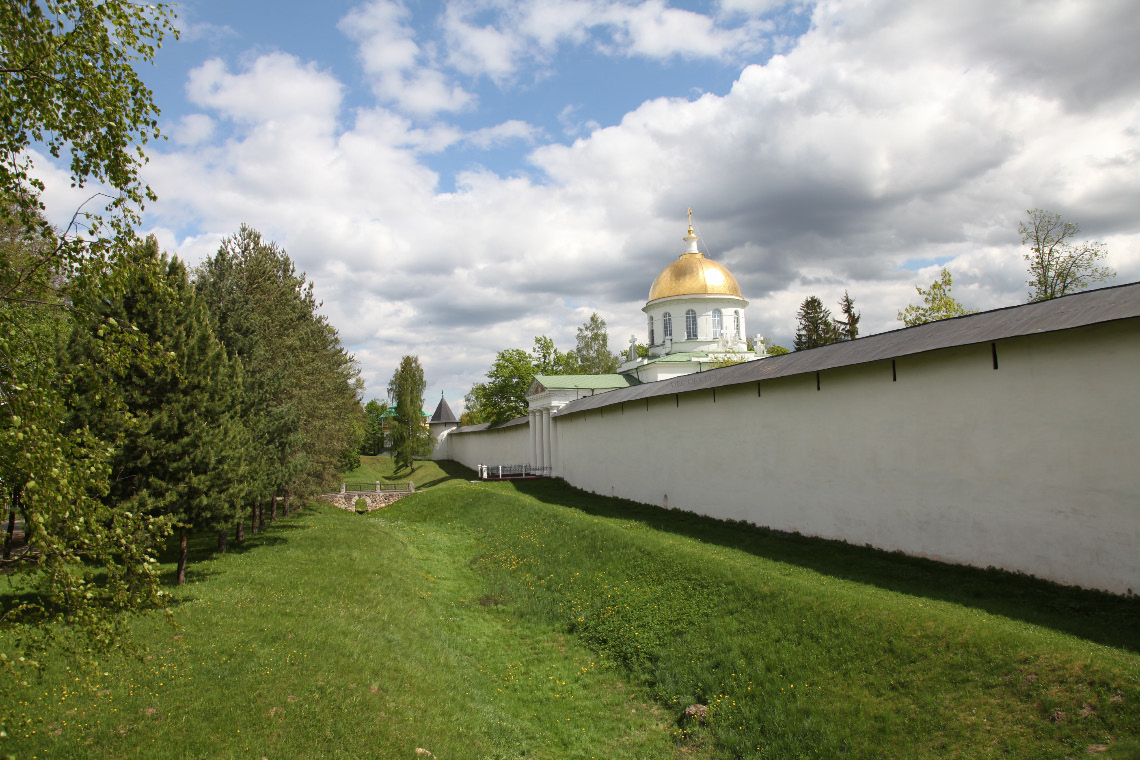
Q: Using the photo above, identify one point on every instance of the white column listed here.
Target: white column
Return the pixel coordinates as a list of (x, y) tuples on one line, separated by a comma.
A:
[(540, 418), (553, 446), (533, 424), (547, 459)]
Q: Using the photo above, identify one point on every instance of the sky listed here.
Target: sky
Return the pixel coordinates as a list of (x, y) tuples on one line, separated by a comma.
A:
[(458, 177)]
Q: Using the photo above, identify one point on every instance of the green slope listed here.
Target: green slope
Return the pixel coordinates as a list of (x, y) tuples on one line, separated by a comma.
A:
[(535, 621)]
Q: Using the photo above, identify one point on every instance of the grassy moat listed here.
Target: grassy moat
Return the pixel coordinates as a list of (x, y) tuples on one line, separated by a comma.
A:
[(531, 620)]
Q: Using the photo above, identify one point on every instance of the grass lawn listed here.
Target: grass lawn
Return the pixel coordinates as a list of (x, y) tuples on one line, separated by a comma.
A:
[(425, 473), (530, 620)]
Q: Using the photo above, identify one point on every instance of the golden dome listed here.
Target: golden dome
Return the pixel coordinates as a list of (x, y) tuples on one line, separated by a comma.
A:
[(693, 274)]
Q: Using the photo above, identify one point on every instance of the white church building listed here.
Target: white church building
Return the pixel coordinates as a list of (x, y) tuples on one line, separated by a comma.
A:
[(1007, 438)]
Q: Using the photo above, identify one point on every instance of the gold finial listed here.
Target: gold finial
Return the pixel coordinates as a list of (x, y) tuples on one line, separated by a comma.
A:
[(690, 220)]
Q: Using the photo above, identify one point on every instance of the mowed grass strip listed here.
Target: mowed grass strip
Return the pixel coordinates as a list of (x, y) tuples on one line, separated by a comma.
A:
[(533, 620)]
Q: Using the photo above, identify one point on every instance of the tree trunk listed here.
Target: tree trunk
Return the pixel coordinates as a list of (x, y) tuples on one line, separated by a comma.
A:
[(14, 507), (240, 537), (253, 517), (273, 508), (181, 556), (261, 517), (285, 505), (11, 531), (222, 535)]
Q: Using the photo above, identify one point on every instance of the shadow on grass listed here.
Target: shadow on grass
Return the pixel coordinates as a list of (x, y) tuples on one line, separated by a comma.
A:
[(452, 471), (1092, 615), (456, 470), (203, 545)]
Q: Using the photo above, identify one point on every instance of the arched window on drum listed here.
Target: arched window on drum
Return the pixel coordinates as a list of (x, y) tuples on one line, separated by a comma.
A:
[(717, 319), (690, 325), (651, 341), (667, 324)]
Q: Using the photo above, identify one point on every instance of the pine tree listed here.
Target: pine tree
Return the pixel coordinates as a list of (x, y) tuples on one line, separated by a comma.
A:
[(170, 413), (816, 327), (300, 396)]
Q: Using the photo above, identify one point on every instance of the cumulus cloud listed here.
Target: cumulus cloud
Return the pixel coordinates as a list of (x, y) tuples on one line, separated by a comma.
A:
[(400, 70), (192, 129), (506, 132), (889, 140), (275, 87), (497, 39)]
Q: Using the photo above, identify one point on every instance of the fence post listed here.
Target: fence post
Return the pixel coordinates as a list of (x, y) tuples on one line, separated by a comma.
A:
[(342, 487), (411, 486), (377, 486)]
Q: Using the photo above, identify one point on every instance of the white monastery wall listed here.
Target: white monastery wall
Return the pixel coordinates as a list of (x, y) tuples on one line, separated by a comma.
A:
[(1031, 467), (510, 445)]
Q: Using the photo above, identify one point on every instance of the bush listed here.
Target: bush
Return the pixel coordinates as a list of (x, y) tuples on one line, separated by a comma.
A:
[(361, 505)]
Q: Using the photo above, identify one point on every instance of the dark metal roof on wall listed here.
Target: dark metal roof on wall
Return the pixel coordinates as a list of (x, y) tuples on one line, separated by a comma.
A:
[(1076, 310), (488, 426)]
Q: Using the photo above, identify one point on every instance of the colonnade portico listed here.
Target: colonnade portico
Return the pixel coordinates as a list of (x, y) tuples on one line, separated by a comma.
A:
[(541, 438)]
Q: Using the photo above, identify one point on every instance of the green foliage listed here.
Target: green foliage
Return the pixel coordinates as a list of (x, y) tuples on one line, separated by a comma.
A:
[(85, 561), (361, 505), (848, 327), (410, 437), (548, 360), (592, 352), (473, 413), (373, 441), (68, 82), (774, 350), (815, 326), (178, 441), (937, 304), (727, 359), (300, 395), (1057, 267), (503, 396), (69, 79)]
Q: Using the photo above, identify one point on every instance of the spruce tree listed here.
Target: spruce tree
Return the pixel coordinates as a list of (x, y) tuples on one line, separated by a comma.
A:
[(816, 327), (848, 327)]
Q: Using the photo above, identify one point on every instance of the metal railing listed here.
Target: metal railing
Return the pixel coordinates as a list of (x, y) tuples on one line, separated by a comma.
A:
[(509, 471), (376, 487)]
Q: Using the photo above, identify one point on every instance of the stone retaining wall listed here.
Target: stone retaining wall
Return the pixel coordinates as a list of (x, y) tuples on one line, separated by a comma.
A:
[(375, 500)]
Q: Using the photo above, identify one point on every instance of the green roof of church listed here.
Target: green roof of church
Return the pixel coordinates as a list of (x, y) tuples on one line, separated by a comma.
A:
[(585, 382), (683, 356), (391, 412)]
